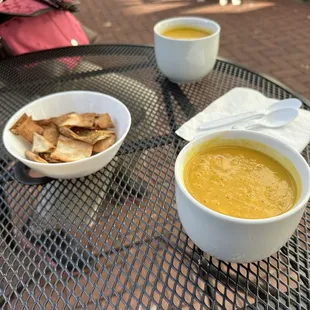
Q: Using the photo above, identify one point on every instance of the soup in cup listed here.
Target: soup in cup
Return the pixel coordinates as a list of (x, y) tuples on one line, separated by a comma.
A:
[(235, 225)]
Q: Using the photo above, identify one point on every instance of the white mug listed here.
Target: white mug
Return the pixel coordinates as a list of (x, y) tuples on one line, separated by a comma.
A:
[(186, 60)]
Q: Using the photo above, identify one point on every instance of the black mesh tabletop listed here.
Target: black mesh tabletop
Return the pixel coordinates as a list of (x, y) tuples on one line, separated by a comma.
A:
[(114, 240)]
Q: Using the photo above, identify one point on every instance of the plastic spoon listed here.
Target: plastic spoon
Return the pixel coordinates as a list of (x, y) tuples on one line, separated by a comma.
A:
[(273, 119), (283, 104)]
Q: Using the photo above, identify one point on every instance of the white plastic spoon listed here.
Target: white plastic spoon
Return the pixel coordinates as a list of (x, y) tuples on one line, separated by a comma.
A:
[(273, 119), (283, 104)]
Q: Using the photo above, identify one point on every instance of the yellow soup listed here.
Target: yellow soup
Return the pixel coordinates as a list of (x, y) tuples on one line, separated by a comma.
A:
[(186, 33), (240, 182)]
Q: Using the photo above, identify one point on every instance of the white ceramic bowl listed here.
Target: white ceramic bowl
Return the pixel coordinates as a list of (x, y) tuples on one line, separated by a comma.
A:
[(61, 103), (234, 239), (186, 61)]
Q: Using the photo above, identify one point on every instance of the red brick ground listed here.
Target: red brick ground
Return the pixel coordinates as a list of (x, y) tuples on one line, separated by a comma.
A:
[(272, 36)]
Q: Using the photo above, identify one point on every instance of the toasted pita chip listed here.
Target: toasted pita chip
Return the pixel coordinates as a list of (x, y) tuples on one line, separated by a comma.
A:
[(90, 118), (44, 122), (51, 133), (103, 121), (77, 120), (47, 157), (58, 120), (28, 128), (35, 157), (21, 120), (41, 145), (53, 120), (102, 145), (86, 135), (68, 150)]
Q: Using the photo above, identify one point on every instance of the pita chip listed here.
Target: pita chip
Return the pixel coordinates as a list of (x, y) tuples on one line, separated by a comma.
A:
[(69, 150), (54, 120), (47, 157), (41, 145), (86, 135), (35, 157), (28, 128), (22, 119), (103, 121), (51, 133), (44, 122), (102, 145), (88, 118), (85, 120)]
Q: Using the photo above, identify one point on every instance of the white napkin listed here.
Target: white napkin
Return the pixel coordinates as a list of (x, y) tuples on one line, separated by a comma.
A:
[(241, 100)]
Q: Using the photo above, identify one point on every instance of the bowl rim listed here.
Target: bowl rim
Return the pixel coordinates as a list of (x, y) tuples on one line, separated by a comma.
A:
[(67, 164), (298, 205), (156, 31)]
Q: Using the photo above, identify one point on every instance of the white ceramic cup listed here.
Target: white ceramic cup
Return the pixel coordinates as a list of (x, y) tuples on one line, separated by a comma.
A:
[(186, 61), (234, 239)]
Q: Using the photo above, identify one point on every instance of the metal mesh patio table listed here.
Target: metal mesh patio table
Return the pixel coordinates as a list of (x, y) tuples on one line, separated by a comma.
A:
[(113, 240)]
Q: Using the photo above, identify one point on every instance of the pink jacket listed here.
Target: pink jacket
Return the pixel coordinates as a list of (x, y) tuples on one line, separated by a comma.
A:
[(47, 28)]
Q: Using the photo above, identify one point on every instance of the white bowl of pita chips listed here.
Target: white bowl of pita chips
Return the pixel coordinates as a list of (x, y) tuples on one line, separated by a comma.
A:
[(68, 135)]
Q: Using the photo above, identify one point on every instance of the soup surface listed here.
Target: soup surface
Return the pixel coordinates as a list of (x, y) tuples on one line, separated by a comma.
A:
[(240, 182), (185, 32)]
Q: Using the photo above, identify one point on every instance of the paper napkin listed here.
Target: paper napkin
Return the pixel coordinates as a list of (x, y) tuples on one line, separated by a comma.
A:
[(241, 100)]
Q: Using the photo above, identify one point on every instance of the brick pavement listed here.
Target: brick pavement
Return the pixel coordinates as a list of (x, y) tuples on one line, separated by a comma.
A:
[(269, 36)]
